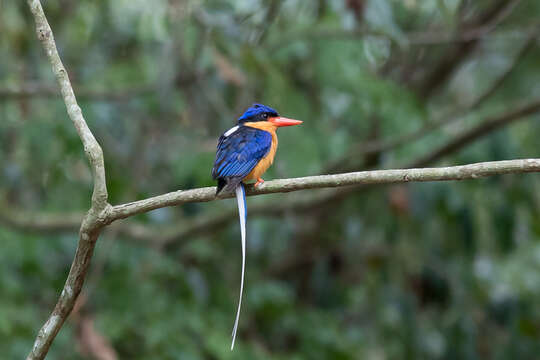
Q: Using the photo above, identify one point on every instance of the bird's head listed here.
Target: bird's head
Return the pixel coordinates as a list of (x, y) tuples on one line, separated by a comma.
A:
[(259, 112)]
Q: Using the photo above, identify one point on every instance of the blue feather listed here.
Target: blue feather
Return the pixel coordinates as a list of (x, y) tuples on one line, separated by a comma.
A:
[(240, 152)]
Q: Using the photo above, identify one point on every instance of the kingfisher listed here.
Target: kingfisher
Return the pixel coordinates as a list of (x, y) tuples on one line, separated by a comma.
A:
[(244, 153)]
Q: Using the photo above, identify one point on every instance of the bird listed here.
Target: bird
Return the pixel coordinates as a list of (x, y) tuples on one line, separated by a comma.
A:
[(244, 153)]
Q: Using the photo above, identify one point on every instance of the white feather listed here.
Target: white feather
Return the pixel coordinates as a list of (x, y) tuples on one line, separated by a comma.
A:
[(231, 130), (242, 213)]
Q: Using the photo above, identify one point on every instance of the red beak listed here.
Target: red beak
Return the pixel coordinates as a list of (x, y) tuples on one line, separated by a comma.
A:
[(280, 121)]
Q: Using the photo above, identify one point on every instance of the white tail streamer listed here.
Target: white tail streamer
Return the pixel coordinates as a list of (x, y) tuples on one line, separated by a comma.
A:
[(242, 214)]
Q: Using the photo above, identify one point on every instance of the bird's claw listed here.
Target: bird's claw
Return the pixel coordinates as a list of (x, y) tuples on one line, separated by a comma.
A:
[(259, 182)]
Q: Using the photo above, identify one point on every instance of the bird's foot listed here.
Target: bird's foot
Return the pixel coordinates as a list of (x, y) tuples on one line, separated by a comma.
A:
[(259, 182)]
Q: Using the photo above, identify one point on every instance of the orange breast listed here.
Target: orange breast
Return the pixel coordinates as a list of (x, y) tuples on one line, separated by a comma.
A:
[(265, 162)]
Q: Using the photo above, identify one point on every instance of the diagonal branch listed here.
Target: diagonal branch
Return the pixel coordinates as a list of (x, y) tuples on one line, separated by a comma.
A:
[(414, 38), (91, 224), (454, 57), (376, 146), (478, 131)]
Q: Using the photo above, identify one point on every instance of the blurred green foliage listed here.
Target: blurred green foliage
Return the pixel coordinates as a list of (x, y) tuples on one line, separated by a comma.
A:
[(433, 270)]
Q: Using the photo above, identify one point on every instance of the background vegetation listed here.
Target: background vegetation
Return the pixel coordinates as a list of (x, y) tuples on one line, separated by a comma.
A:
[(433, 270)]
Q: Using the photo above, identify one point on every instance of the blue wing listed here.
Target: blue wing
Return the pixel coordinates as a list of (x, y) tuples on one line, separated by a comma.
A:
[(238, 153)]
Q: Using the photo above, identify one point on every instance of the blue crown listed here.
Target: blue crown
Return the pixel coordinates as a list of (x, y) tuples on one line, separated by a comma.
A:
[(257, 109)]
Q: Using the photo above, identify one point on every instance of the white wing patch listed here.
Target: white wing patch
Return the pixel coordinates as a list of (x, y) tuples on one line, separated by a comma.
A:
[(231, 130)]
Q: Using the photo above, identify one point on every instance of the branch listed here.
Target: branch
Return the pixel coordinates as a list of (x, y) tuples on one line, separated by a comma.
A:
[(39, 223), (414, 38), (461, 140), (176, 235), (91, 226), (45, 223), (32, 90), (102, 214), (478, 131), (43, 91), (439, 37), (528, 44), (488, 125), (170, 237), (471, 171), (377, 146), (454, 57)]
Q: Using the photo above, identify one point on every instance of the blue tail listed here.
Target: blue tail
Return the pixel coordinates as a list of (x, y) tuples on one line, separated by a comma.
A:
[(242, 213)]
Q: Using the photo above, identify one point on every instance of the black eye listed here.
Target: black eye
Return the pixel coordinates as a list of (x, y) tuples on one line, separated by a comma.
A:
[(265, 116)]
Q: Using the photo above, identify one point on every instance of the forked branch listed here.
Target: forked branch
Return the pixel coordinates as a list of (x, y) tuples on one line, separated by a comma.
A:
[(102, 214), (91, 226)]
